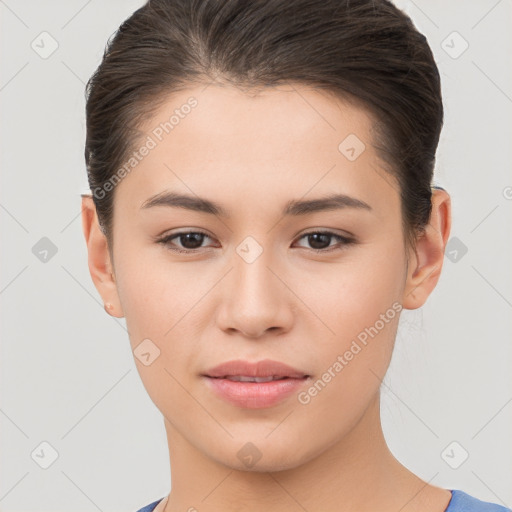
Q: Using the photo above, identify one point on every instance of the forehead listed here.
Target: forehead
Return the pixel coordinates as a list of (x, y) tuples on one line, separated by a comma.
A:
[(222, 141)]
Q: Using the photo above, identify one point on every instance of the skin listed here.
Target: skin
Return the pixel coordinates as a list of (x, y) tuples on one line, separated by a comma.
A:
[(252, 153)]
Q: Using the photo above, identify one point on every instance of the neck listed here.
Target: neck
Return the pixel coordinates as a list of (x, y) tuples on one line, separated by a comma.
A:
[(357, 473)]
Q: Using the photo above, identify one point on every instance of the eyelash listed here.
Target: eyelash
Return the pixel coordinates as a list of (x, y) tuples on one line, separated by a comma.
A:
[(345, 241)]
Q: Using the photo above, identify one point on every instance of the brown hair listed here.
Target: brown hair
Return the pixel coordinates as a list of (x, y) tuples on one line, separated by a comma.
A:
[(365, 51)]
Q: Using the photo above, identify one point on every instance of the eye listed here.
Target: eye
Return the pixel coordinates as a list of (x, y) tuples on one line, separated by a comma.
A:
[(320, 241), (190, 241)]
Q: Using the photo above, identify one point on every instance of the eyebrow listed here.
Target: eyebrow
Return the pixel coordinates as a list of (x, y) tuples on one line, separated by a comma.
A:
[(293, 207)]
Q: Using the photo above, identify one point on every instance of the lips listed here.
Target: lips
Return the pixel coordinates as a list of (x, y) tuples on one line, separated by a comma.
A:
[(260, 371), (255, 385)]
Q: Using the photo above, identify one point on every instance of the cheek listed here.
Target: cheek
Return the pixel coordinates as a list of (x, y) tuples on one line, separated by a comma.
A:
[(351, 295), (362, 306), (158, 302), (163, 302), (359, 305), (152, 293)]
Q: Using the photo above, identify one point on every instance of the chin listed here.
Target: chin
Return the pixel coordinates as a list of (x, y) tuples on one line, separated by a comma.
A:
[(265, 466), (260, 457)]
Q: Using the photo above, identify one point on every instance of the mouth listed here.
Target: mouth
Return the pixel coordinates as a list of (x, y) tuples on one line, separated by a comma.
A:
[(255, 385)]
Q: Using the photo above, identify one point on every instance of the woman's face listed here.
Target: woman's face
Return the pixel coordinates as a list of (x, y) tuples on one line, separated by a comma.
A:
[(253, 286)]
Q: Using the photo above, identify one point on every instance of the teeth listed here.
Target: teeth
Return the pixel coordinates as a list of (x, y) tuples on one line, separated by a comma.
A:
[(243, 378)]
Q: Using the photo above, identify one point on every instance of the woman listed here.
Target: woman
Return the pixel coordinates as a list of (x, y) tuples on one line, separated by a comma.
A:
[(262, 210)]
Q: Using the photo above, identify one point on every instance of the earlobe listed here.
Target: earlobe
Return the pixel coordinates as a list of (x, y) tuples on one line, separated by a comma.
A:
[(100, 265), (426, 261)]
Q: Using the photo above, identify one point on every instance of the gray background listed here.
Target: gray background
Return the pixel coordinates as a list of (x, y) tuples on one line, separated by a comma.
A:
[(67, 375)]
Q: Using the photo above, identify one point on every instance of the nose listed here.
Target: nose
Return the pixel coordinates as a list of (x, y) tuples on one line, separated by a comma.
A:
[(255, 298)]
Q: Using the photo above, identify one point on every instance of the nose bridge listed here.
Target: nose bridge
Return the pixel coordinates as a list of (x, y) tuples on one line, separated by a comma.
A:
[(255, 300), (252, 276)]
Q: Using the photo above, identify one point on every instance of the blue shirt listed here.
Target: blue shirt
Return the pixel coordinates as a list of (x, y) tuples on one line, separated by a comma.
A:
[(460, 502)]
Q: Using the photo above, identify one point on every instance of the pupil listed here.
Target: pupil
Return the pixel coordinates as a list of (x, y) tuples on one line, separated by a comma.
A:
[(313, 239), (190, 237)]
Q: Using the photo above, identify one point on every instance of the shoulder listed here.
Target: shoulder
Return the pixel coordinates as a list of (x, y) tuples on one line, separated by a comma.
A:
[(462, 502), (150, 507)]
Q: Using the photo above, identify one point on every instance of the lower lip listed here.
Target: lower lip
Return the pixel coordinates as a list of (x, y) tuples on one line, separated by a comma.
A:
[(255, 395)]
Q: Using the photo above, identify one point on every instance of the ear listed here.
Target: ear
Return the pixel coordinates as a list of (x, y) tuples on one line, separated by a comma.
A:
[(100, 265), (426, 261)]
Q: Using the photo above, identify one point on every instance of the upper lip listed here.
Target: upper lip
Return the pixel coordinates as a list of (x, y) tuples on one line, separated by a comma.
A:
[(264, 368)]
